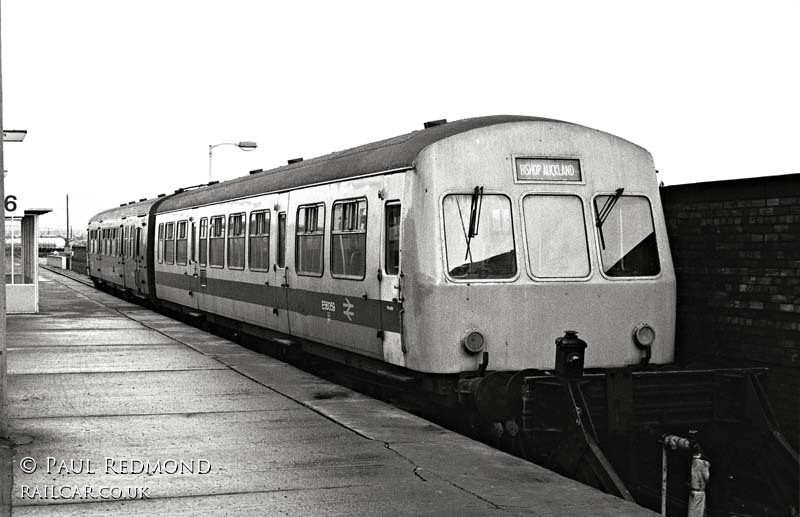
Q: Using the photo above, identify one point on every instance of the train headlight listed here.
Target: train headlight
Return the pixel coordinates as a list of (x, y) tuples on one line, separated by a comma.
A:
[(644, 335), (473, 341)]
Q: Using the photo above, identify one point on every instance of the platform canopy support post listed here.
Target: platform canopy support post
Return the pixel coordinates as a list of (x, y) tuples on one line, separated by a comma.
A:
[(3, 364)]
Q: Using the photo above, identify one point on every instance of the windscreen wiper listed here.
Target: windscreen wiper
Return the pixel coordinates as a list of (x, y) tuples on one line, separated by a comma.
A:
[(474, 217), (603, 213)]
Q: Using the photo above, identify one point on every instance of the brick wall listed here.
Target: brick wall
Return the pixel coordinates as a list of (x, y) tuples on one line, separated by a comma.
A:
[(736, 248)]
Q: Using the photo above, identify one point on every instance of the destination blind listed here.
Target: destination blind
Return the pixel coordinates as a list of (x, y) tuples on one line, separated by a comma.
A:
[(547, 169)]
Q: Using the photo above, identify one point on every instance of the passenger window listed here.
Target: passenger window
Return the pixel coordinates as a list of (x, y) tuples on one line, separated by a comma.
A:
[(349, 239), (555, 229), (181, 244), (236, 241), (282, 239), (216, 247), (203, 242), (169, 243), (161, 243), (392, 238), (479, 237), (258, 254), (310, 240), (627, 237)]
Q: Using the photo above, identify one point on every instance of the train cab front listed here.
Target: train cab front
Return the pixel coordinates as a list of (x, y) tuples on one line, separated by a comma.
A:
[(525, 230)]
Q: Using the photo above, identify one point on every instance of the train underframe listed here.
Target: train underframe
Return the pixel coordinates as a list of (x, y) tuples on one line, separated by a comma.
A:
[(604, 428)]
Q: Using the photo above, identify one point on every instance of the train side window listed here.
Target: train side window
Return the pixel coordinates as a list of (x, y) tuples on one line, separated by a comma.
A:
[(392, 239), (258, 247), (349, 239), (309, 239), (236, 241), (479, 236), (169, 243), (216, 246), (282, 239), (138, 242), (627, 236), (555, 230), (161, 243), (203, 241), (113, 242), (181, 244)]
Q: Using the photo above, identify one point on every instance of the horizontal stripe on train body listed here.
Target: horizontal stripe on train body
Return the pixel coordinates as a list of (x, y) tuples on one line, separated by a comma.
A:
[(377, 314)]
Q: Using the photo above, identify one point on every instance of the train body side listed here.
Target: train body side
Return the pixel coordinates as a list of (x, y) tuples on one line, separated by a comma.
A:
[(359, 312)]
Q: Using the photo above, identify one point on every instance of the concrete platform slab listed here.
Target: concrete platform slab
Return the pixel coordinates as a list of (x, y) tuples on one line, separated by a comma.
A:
[(119, 358), (84, 337), (131, 393)]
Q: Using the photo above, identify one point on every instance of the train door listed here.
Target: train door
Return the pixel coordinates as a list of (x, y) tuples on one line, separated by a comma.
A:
[(129, 262), (389, 273), (138, 261), (278, 291), (193, 270), (119, 258), (201, 289)]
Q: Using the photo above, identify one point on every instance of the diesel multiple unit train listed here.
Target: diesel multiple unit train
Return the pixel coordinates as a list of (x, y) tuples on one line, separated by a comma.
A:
[(456, 257)]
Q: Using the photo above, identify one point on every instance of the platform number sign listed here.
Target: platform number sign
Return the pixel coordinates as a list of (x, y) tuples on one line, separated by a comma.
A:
[(11, 203)]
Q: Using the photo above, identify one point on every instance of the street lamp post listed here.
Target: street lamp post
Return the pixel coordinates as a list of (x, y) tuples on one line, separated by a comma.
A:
[(244, 146)]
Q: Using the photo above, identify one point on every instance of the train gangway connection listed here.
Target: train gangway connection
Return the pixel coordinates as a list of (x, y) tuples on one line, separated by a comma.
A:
[(117, 409)]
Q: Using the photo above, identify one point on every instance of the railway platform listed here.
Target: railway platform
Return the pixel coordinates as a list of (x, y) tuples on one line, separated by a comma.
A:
[(117, 409)]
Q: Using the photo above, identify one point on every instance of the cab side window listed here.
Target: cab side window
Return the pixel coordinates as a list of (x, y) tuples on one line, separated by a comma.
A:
[(392, 235)]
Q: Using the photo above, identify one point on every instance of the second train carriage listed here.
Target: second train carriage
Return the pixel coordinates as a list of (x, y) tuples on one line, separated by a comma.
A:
[(504, 239)]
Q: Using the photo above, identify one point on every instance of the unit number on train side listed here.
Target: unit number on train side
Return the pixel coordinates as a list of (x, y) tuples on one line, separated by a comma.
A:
[(328, 306)]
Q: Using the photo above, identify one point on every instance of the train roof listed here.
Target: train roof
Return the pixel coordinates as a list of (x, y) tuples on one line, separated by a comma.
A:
[(137, 209), (386, 155)]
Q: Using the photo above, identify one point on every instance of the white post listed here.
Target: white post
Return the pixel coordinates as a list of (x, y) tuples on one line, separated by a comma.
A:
[(12, 251)]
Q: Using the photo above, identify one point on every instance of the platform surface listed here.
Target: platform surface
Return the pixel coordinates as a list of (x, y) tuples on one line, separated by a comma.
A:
[(95, 381)]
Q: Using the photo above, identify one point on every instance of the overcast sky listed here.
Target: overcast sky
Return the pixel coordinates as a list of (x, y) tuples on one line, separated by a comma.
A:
[(122, 98)]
